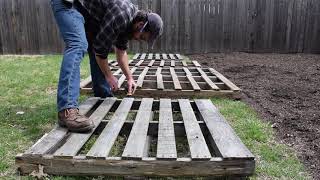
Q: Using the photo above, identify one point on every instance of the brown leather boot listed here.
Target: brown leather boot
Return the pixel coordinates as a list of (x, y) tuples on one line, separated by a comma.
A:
[(71, 119)]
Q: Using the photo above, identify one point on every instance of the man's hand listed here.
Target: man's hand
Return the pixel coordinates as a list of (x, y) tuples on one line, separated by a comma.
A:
[(131, 86), (113, 82)]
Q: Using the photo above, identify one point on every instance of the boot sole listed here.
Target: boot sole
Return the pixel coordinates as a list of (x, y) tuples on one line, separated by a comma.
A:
[(80, 130)]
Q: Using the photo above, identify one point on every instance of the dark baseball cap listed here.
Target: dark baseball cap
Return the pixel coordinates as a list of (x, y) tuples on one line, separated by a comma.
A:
[(155, 27)]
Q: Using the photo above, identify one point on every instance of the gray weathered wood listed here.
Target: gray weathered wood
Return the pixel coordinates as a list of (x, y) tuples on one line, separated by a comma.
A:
[(103, 144), (196, 63), (136, 56), (123, 77), (225, 80), (151, 63), (76, 140), (143, 56), (162, 63), (139, 63), (141, 77), (166, 147), (196, 141), (171, 56), (179, 56), (159, 81), (164, 56), (172, 63), (136, 142), (227, 143), (175, 79), (208, 80), (157, 56), (50, 141), (194, 84), (150, 56)]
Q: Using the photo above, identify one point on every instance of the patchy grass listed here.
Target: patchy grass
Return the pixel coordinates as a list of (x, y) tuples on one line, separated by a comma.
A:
[(29, 86)]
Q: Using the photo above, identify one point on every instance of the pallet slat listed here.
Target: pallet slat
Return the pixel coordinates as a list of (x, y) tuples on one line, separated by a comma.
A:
[(194, 84), (175, 79), (136, 56), (136, 143), (157, 56), (196, 141), (225, 80), (164, 56), (150, 56), (123, 77), (226, 141), (141, 77), (171, 56), (143, 56), (196, 63), (207, 79), (166, 147), (76, 140), (172, 63), (151, 63), (179, 56), (103, 144)]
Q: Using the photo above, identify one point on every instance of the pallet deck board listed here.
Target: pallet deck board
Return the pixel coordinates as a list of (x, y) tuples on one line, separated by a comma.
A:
[(76, 140), (196, 141), (176, 82), (158, 56), (108, 136), (229, 156), (166, 148), (136, 142), (226, 141)]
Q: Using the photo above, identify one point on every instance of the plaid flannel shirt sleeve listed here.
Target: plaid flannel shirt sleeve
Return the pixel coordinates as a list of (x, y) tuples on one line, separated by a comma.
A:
[(113, 23)]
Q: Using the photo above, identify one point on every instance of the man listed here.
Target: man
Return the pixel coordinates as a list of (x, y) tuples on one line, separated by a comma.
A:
[(109, 23)]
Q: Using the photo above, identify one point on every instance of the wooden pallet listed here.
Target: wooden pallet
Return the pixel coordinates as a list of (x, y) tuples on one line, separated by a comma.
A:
[(158, 63), (165, 138), (157, 56), (174, 82)]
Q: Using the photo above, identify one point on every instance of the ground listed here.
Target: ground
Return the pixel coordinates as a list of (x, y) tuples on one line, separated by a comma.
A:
[(285, 90)]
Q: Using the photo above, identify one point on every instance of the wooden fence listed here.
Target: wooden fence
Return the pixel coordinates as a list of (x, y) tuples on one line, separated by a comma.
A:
[(191, 26)]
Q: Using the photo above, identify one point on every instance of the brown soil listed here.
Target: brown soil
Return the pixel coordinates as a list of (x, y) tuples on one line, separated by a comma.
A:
[(285, 90)]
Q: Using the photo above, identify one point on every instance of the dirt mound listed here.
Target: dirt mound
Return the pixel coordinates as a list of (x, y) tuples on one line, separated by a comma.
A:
[(285, 90)]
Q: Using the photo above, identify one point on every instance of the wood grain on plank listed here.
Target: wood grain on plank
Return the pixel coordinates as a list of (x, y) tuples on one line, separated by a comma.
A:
[(175, 79), (51, 140), (196, 141), (207, 79), (136, 143), (193, 83), (123, 77), (136, 56), (226, 142), (166, 147), (76, 140), (106, 139), (225, 80), (141, 77)]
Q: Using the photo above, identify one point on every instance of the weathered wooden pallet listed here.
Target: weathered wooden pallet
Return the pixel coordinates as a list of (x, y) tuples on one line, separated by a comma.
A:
[(164, 138), (151, 56), (173, 82), (158, 63)]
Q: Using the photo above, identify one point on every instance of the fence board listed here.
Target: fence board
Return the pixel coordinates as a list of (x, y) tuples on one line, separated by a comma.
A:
[(190, 26)]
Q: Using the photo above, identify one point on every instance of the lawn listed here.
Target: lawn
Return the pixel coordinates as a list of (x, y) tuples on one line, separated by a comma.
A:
[(28, 110)]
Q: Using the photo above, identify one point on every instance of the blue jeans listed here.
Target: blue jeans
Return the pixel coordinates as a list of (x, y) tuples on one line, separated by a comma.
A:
[(71, 26)]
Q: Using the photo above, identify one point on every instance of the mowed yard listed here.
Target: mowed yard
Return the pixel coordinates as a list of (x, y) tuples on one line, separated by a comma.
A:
[(29, 85)]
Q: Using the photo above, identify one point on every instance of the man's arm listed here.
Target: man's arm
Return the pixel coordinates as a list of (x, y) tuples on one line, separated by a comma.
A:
[(122, 59), (104, 66)]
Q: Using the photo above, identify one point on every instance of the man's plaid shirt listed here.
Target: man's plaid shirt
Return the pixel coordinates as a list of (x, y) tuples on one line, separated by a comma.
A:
[(112, 19)]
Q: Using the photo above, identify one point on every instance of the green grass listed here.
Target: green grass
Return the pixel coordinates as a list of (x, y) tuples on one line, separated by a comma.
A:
[(29, 85)]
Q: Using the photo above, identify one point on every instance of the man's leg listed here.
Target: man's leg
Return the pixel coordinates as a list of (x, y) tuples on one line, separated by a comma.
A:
[(100, 86), (71, 26)]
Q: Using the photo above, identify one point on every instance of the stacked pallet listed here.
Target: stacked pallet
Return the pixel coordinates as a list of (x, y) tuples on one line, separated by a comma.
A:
[(160, 136)]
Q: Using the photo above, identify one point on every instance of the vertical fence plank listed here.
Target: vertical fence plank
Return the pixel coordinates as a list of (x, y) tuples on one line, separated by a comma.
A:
[(190, 26)]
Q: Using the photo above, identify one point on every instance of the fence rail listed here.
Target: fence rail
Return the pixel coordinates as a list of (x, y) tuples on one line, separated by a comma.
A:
[(191, 26)]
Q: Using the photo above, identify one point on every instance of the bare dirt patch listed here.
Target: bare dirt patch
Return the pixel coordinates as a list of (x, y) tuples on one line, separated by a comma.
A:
[(285, 90)]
